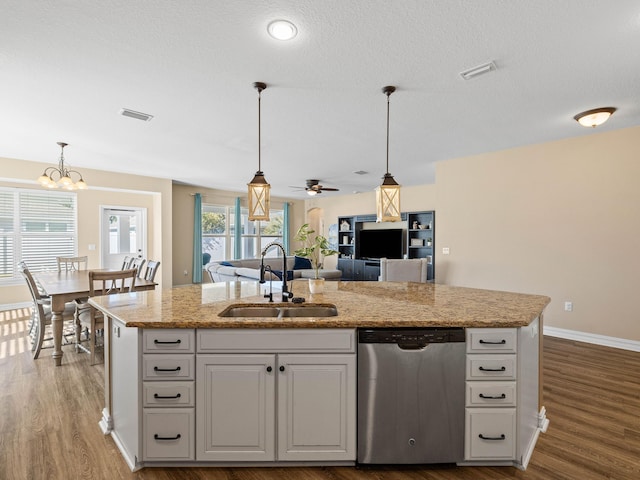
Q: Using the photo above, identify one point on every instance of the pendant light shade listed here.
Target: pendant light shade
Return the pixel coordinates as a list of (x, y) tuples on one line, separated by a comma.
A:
[(259, 188), (388, 194)]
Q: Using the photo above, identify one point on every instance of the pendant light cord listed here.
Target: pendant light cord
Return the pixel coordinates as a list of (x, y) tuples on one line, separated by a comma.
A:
[(259, 130), (388, 95)]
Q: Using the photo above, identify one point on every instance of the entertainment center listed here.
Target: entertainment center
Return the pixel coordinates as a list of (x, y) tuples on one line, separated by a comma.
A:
[(362, 242)]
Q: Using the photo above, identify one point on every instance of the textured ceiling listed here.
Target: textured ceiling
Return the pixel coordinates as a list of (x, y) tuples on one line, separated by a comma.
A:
[(68, 67)]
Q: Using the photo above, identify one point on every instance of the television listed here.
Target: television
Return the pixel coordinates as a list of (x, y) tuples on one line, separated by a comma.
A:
[(375, 244)]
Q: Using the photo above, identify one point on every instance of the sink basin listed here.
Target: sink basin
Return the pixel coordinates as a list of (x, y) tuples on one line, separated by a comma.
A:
[(288, 311)]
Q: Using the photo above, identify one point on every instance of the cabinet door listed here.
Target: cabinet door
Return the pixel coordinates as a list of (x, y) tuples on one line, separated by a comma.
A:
[(316, 407), (123, 382), (235, 408)]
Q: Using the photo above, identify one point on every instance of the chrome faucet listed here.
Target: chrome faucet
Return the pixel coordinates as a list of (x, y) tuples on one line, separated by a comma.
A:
[(286, 295)]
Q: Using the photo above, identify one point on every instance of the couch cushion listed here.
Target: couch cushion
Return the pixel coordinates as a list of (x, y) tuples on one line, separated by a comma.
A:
[(278, 273), (326, 274), (225, 270), (301, 263)]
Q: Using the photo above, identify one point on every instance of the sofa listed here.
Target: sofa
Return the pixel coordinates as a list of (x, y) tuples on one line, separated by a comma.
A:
[(249, 269)]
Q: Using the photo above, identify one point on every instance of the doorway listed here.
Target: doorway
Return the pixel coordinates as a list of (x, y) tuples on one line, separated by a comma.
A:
[(124, 234)]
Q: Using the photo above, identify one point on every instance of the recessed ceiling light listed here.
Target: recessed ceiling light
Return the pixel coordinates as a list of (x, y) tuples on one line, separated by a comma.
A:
[(282, 30), (595, 117)]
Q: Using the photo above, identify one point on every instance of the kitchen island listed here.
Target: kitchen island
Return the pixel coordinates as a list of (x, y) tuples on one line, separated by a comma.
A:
[(187, 386)]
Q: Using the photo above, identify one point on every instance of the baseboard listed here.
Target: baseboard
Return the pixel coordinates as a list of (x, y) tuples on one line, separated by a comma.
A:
[(15, 306), (621, 343)]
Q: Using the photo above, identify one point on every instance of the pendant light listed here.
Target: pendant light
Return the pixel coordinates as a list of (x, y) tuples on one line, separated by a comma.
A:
[(60, 176), (259, 188), (388, 194)]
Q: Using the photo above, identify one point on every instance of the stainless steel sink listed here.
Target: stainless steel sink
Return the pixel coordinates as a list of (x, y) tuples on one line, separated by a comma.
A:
[(283, 311)]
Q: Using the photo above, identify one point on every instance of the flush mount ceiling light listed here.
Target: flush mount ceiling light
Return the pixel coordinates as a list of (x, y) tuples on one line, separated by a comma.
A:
[(60, 176), (388, 194), (595, 117), (259, 187), (282, 30)]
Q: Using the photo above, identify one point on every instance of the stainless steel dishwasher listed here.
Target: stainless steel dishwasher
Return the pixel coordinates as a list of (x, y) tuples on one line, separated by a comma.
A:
[(411, 395)]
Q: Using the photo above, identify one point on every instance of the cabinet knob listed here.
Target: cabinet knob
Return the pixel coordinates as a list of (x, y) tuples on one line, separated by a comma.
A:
[(269, 369), (281, 368)]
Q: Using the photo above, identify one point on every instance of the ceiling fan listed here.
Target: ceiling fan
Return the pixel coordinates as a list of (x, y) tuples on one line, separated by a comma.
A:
[(314, 188)]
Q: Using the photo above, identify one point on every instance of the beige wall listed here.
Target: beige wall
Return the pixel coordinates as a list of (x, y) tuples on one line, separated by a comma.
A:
[(183, 222), (105, 188), (560, 219)]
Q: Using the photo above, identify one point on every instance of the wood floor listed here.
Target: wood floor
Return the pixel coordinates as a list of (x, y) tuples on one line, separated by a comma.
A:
[(49, 422)]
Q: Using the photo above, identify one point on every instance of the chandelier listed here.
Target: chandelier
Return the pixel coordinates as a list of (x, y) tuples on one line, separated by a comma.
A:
[(61, 176)]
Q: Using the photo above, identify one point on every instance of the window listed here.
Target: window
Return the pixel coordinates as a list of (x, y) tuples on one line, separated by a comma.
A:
[(218, 231), (35, 226)]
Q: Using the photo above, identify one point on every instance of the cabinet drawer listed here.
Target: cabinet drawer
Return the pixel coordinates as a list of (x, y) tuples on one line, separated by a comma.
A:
[(168, 340), (168, 394), (271, 340), (488, 394), (490, 434), (168, 434), (492, 340), (162, 367), (491, 367)]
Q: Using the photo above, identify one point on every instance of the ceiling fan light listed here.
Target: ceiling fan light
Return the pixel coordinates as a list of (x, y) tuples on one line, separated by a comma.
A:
[(595, 117), (312, 192)]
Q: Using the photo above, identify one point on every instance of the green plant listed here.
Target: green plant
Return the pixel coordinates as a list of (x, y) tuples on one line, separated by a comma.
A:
[(315, 247)]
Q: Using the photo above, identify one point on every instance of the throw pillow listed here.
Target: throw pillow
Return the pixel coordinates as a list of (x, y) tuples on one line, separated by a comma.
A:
[(301, 263), (278, 273), (226, 264)]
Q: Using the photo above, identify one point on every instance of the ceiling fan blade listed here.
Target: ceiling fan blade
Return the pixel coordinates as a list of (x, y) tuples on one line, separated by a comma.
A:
[(329, 189)]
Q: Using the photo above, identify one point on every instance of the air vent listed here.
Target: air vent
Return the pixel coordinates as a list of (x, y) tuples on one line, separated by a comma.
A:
[(360, 172), (125, 112), (478, 70)]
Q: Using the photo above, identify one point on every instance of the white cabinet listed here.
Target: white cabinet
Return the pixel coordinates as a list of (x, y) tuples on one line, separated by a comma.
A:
[(236, 398), (168, 416), (502, 420), (303, 403), (316, 407)]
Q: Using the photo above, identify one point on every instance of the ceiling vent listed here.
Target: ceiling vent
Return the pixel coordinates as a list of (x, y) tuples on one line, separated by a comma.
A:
[(478, 70), (125, 112), (361, 172)]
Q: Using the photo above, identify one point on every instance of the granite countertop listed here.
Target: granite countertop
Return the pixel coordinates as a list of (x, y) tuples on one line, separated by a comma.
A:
[(359, 304)]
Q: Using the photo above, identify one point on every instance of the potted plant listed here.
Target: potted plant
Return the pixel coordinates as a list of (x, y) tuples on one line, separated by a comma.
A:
[(314, 247), (429, 240)]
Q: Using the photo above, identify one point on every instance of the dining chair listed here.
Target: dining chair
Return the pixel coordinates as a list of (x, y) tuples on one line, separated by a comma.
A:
[(403, 270), (42, 311), (138, 264), (150, 272), (126, 262), (90, 318), (72, 263)]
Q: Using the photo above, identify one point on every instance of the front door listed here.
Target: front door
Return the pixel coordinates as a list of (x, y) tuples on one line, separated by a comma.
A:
[(123, 235)]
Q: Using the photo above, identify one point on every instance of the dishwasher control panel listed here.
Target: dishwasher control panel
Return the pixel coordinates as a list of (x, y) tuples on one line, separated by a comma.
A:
[(421, 336)]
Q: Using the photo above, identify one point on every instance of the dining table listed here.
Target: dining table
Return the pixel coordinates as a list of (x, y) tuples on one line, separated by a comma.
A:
[(67, 286)]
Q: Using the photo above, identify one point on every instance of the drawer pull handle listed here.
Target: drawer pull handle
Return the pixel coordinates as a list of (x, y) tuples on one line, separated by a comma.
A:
[(167, 342), (158, 437), (488, 342), (493, 397), (158, 369), (155, 395), (483, 369), (501, 437)]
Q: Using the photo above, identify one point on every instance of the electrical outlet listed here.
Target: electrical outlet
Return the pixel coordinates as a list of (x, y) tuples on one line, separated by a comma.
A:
[(568, 306), (445, 250), (186, 273)]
